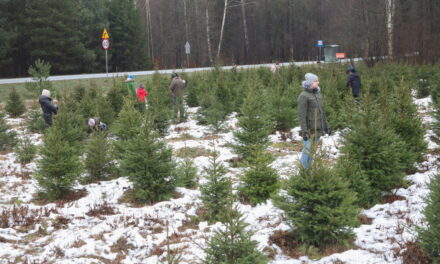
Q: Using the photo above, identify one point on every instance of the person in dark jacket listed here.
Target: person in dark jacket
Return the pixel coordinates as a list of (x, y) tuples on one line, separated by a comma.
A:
[(354, 81), (311, 116), (47, 106), (177, 88)]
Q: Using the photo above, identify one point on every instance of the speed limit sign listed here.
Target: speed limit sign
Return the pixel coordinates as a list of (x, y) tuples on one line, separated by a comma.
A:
[(105, 43)]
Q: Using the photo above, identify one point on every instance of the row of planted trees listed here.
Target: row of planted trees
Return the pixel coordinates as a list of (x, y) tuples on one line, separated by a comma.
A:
[(382, 140)]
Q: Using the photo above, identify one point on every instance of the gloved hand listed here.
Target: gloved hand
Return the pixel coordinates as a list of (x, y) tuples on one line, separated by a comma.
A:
[(305, 136), (328, 131)]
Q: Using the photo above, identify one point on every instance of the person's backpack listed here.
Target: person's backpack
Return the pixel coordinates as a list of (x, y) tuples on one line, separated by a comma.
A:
[(102, 126)]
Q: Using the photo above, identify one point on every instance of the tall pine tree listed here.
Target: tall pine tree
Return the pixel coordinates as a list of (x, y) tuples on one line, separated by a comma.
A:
[(129, 49)]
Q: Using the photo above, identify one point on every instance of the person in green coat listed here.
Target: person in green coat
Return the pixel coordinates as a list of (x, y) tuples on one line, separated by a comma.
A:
[(311, 116), (130, 86)]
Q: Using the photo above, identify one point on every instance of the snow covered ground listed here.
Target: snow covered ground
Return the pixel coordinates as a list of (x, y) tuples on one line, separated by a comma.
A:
[(75, 232)]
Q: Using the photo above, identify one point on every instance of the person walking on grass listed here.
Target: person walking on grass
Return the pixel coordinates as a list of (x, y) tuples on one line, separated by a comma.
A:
[(141, 93), (354, 81), (311, 116), (177, 88), (130, 86), (47, 106)]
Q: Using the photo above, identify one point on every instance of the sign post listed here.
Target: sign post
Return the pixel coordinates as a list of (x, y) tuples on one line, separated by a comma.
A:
[(187, 51), (340, 56), (105, 46), (320, 44)]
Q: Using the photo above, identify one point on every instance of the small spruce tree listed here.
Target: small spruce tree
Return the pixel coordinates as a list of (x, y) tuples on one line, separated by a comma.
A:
[(160, 103), (40, 79), (95, 104), (233, 243), (72, 126), (260, 181), (25, 150), (58, 167), (187, 174), (319, 206), (128, 123), (34, 120), (217, 190), (378, 150), (126, 126), (115, 95), (99, 160), (407, 124), (430, 236), (7, 136), (147, 161), (14, 105), (255, 126), (357, 180)]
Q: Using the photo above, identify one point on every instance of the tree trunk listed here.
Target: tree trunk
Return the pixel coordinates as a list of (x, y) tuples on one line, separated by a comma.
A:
[(246, 39), (185, 18), (389, 9), (149, 30), (208, 40), (222, 29), (367, 35)]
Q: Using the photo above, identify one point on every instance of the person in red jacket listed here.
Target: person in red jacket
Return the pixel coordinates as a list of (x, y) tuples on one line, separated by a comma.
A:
[(141, 93)]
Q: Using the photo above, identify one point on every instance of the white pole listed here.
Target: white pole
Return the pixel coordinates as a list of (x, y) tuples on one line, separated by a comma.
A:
[(106, 63)]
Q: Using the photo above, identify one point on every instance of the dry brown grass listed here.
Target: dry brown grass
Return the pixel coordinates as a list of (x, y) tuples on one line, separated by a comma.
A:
[(286, 242), (78, 243), (365, 220), (413, 254), (101, 209), (23, 216), (192, 152), (182, 137), (121, 246), (392, 198)]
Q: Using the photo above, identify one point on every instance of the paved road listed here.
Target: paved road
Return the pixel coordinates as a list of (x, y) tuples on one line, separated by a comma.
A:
[(141, 73)]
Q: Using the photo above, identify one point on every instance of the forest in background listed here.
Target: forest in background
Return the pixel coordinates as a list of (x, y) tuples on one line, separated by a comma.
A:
[(147, 34)]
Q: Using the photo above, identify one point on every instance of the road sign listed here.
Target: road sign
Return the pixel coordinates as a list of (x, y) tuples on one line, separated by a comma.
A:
[(340, 55), (105, 34), (187, 48), (320, 43), (105, 44)]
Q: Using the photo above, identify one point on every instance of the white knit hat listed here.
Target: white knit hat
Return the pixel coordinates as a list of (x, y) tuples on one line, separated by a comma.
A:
[(91, 122), (45, 92), (309, 78)]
